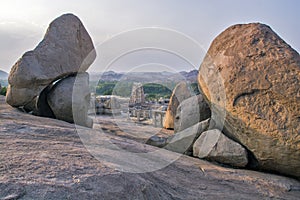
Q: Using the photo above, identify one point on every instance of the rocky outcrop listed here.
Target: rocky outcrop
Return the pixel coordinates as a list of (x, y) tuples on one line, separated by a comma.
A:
[(65, 50), (182, 142), (190, 112), (71, 106), (214, 146), (45, 159), (180, 93), (260, 76)]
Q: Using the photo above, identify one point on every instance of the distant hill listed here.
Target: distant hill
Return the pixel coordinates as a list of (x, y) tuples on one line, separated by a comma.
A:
[(145, 77), (3, 75)]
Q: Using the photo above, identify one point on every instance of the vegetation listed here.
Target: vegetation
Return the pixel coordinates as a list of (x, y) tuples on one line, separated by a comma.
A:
[(105, 88), (153, 91), (114, 87), (3, 91)]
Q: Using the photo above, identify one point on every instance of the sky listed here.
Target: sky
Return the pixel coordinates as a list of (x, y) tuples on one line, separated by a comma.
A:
[(182, 23)]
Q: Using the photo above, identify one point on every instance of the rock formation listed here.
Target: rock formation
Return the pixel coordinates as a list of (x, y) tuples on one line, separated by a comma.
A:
[(260, 75), (190, 112), (182, 142), (215, 146), (45, 159), (180, 93), (69, 107), (65, 50)]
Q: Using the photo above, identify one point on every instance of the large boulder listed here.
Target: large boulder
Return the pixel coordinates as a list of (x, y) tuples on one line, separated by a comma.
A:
[(213, 145), (180, 93), (66, 49), (190, 112), (69, 100), (260, 76)]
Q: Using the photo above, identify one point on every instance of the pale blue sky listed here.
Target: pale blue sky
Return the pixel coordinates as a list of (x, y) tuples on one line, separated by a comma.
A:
[(24, 22)]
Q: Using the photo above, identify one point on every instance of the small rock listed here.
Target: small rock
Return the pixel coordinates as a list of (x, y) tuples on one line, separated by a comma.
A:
[(182, 142), (157, 141), (215, 146)]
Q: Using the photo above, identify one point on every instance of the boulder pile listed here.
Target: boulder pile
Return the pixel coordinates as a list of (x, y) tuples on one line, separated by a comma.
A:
[(250, 79), (214, 145), (42, 80), (260, 74)]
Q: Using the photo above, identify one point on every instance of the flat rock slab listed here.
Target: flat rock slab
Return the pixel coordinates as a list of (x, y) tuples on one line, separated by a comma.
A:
[(43, 158)]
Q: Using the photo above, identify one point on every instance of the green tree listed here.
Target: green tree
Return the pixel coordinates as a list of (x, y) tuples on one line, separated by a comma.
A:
[(155, 91), (3, 91)]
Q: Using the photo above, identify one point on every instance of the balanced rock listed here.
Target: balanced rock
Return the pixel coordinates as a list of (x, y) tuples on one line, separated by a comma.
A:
[(66, 49), (182, 142), (190, 112), (215, 146), (69, 100), (261, 77), (180, 93)]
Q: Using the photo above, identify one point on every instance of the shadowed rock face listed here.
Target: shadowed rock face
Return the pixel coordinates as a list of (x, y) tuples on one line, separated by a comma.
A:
[(45, 159), (66, 49), (190, 112), (182, 142), (260, 75), (69, 100), (180, 93)]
